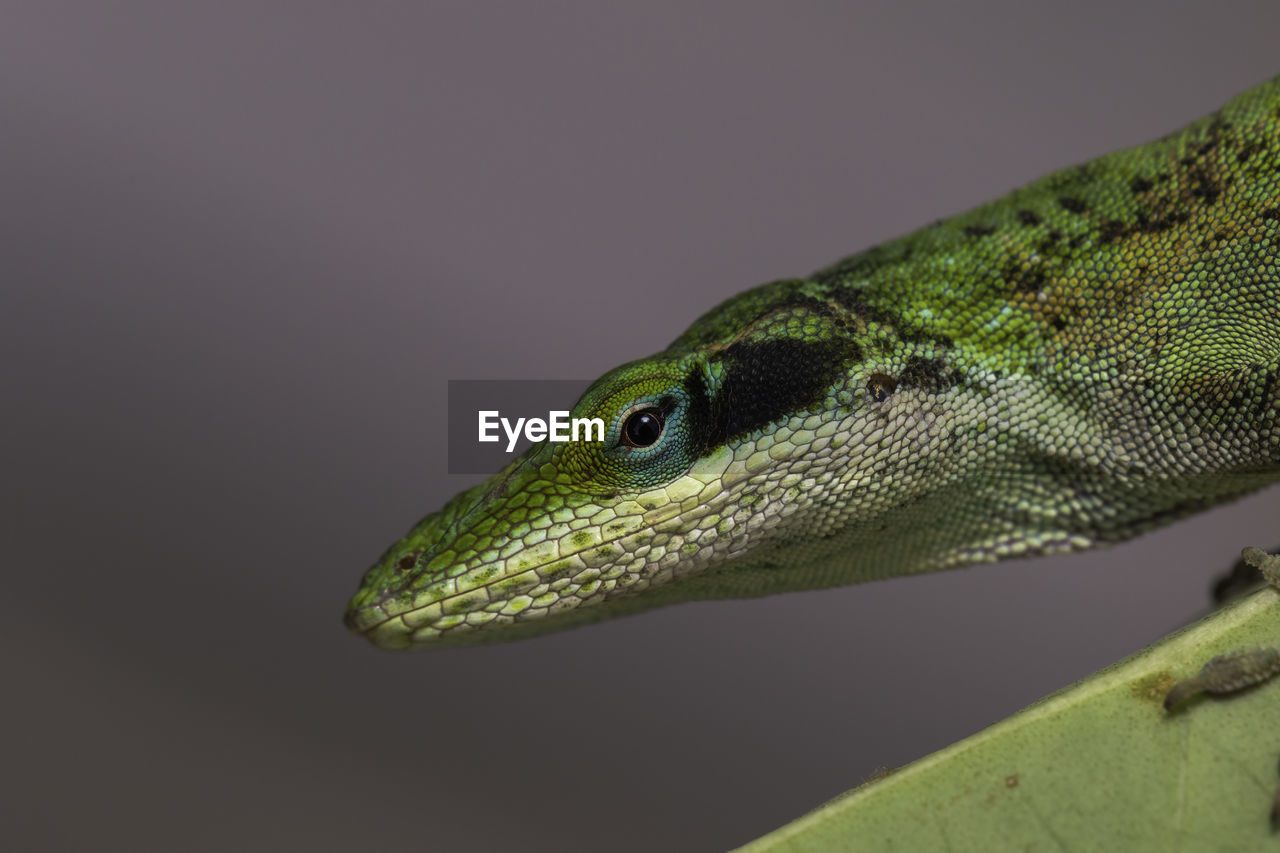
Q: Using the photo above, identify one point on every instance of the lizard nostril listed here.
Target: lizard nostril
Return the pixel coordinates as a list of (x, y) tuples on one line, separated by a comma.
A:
[(363, 618)]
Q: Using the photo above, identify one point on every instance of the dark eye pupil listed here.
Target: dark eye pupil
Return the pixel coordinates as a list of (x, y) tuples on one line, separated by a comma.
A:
[(642, 428)]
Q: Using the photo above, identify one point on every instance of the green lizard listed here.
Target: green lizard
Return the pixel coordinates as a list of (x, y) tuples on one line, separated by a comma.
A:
[(1087, 358)]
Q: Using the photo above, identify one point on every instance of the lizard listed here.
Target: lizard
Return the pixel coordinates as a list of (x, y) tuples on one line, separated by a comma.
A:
[(1089, 357)]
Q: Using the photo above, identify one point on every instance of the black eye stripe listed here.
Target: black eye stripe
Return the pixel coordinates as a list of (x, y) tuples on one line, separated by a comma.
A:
[(765, 381)]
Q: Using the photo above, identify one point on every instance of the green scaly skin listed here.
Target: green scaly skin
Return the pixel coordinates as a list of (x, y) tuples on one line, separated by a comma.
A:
[(1085, 359)]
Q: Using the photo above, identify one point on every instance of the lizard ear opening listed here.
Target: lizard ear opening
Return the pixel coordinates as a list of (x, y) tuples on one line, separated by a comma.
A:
[(880, 386)]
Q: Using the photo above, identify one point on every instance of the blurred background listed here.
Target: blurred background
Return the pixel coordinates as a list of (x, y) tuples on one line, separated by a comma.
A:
[(245, 245)]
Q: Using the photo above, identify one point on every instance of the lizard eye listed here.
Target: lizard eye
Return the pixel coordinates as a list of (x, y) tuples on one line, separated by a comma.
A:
[(642, 428), (880, 386)]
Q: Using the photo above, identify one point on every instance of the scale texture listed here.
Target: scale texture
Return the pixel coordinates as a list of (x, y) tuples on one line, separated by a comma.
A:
[(1089, 357)]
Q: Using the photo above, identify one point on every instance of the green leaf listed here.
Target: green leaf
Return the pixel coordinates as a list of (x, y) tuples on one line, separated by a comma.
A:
[(1097, 766)]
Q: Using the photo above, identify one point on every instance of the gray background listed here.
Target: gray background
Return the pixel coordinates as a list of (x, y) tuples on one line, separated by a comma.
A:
[(245, 246)]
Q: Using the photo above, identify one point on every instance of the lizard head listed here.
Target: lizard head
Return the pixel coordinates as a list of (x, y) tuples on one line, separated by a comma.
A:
[(565, 525), (709, 448)]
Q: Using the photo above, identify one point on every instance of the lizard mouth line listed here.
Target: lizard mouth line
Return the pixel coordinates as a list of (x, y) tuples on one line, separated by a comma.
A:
[(350, 617)]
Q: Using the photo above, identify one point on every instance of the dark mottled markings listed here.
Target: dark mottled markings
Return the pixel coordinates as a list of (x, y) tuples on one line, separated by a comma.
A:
[(1208, 192), (1026, 281), (1072, 204), (1204, 185), (766, 381), (931, 374), (856, 303), (1027, 217), (979, 230), (1207, 243), (1163, 222), (1111, 230), (1271, 213), (1140, 185)]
